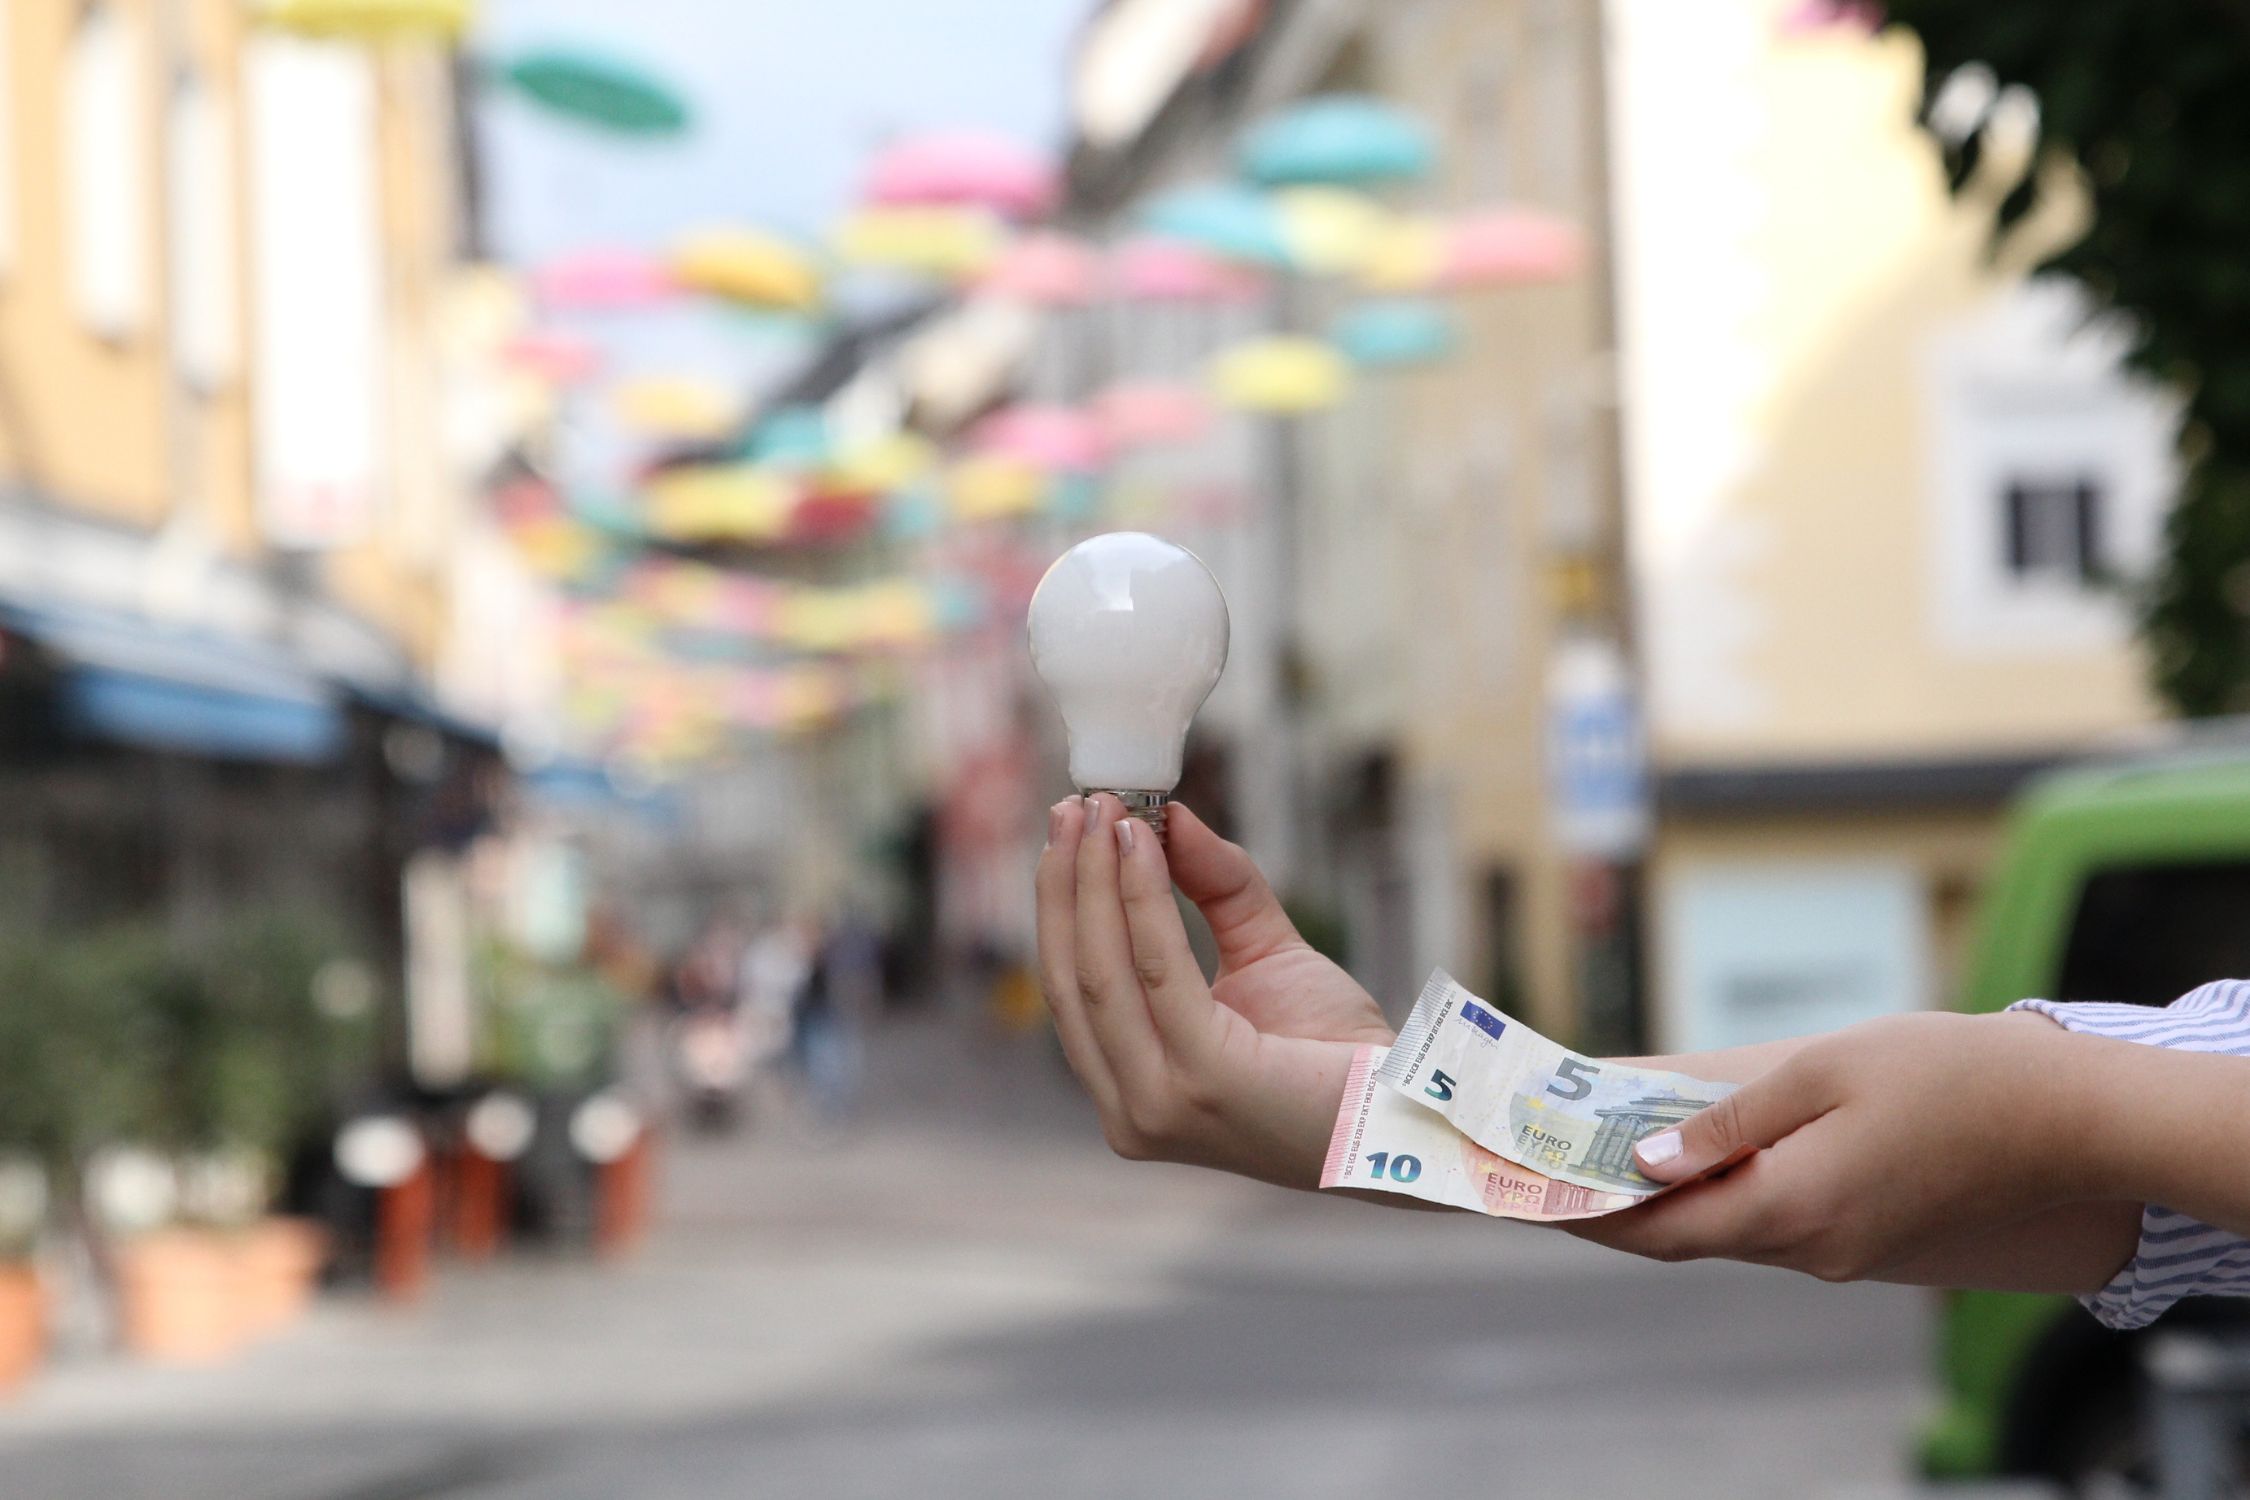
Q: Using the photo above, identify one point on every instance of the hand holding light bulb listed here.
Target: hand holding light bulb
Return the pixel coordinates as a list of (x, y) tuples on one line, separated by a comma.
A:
[(1130, 633)]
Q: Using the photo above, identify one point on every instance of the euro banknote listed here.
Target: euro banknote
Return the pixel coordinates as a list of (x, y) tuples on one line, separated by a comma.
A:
[(1533, 1101), (1385, 1144)]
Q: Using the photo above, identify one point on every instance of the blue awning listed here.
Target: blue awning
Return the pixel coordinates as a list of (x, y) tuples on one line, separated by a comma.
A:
[(187, 691)]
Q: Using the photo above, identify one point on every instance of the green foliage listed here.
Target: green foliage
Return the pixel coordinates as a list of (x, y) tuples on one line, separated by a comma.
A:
[(547, 1026), (2147, 104)]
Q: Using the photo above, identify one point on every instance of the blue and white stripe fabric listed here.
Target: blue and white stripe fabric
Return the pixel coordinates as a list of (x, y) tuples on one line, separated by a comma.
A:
[(2178, 1256)]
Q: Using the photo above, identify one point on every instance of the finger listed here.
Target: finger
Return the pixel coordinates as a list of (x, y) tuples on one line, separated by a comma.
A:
[(1754, 1116), (1179, 1001), (1221, 879), (1734, 1216), (1115, 1005), (1058, 953)]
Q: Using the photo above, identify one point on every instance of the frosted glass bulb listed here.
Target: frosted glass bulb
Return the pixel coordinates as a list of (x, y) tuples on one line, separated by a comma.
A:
[(1130, 633)]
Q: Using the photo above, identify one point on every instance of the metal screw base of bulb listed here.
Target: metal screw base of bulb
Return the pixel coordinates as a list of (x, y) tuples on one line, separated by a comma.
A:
[(1149, 807)]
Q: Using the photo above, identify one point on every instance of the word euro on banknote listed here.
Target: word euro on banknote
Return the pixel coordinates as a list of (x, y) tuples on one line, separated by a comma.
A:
[(1533, 1101), (1383, 1144)]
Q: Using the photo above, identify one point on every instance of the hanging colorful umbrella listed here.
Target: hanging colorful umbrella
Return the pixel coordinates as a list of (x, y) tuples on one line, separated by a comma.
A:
[(1510, 246), (597, 90), (914, 514), (1337, 138), (1280, 376), (1153, 269), (791, 437), (1223, 218), (680, 407), (368, 20), (1406, 257), (748, 266), (1140, 414), (1395, 333), (602, 279), (1047, 270), (965, 168), (1057, 438), (948, 243), (720, 502), (993, 486), (552, 357), (1330, 230), (885, 465)]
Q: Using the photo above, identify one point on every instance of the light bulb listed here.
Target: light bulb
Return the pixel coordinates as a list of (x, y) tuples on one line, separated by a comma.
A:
[(1130, 633)]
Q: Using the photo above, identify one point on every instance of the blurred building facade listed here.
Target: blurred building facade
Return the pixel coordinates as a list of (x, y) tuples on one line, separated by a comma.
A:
[(243, 554), (1663, 659), (1886, 500)]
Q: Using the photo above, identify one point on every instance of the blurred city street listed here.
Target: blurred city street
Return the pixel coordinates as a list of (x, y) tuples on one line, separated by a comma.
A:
[(968, 1296)]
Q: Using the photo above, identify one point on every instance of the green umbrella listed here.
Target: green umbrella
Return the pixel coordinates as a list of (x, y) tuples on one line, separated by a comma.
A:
[(597, 90)]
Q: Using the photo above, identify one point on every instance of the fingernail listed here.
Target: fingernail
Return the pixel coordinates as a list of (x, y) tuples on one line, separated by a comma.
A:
[(1659, 1148), (1055, 817), (1125, 835), (1093, 811)]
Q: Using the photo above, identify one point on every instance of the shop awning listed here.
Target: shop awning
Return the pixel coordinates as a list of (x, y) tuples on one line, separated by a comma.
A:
[(189, 692)]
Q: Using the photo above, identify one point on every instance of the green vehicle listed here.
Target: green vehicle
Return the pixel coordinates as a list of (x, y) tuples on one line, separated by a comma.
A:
[(2128, 881)]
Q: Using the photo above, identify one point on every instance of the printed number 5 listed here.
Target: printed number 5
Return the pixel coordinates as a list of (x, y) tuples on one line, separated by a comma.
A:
[(1579, 1075), (1441, 1087)]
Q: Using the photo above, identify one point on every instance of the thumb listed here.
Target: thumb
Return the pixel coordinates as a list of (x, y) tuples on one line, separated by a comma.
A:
[(1750, 1119), (1246, 917)]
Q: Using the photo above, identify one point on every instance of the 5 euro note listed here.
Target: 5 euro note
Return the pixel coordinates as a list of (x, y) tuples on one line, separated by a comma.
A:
[(1531, 1101), (1384, 1143)]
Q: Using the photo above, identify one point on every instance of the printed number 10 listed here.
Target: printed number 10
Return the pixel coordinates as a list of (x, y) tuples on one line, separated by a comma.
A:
[(1402, 1168)]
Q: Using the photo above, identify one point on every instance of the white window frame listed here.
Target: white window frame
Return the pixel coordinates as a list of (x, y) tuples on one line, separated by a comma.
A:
[(107, 175)]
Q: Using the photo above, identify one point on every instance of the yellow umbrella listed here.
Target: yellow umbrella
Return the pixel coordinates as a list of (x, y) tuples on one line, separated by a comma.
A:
[(748, 266), (367, 19), (734, 501), (955, 243), (989, 486), (1406, 257), (888, 463), (1330, 231), (557, 547), (1280, 376), (675, 406)]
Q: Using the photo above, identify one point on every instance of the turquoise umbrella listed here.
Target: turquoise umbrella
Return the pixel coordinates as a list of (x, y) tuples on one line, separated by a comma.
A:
[(1344, 139), (792, 437), (1224, 219), (597, 90), (1395, 333)]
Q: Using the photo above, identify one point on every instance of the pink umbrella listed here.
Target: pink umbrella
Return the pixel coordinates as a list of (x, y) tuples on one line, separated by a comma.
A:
[(1161, 270), (556, 358), (1147, 412), (603, 279), (1057, 438), (1052, 270), (966, 168), (1505, 246)]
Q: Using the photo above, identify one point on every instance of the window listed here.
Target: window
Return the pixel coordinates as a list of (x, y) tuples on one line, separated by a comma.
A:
[(205, 292), (2053, 528), (2147, 934), (106, 172)]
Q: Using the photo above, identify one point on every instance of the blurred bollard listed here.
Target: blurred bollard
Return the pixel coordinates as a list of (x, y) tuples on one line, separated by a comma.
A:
[(481, 1182), (2200, 1386), (611, 1137), (405, 1225)]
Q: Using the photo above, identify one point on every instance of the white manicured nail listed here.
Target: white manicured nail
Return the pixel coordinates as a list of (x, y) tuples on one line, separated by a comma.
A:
[(1659, 1148), (1125, 835)]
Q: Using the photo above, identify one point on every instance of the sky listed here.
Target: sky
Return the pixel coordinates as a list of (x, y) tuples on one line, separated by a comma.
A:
[(790, 97)]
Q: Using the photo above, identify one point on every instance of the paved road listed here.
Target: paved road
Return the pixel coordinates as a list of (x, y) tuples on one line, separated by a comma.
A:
[(965, 1296)]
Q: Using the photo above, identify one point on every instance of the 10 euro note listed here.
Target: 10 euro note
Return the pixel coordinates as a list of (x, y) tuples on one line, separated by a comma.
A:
[(1533, 1101), (1383, 1144)]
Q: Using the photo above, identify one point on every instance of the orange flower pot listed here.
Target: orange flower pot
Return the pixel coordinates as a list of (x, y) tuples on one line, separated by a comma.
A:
[(23, 1323), (278, 1263), (180, 1296)]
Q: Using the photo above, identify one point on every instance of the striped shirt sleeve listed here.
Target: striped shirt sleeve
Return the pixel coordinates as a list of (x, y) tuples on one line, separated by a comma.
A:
[(2178, 1256)]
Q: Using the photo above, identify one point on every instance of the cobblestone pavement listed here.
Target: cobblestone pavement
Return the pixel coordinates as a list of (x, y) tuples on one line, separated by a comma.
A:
[(963, 1295)]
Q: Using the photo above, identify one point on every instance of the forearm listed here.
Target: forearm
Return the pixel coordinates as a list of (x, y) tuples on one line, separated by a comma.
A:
[(2074, 1247), (2167, 1126)]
